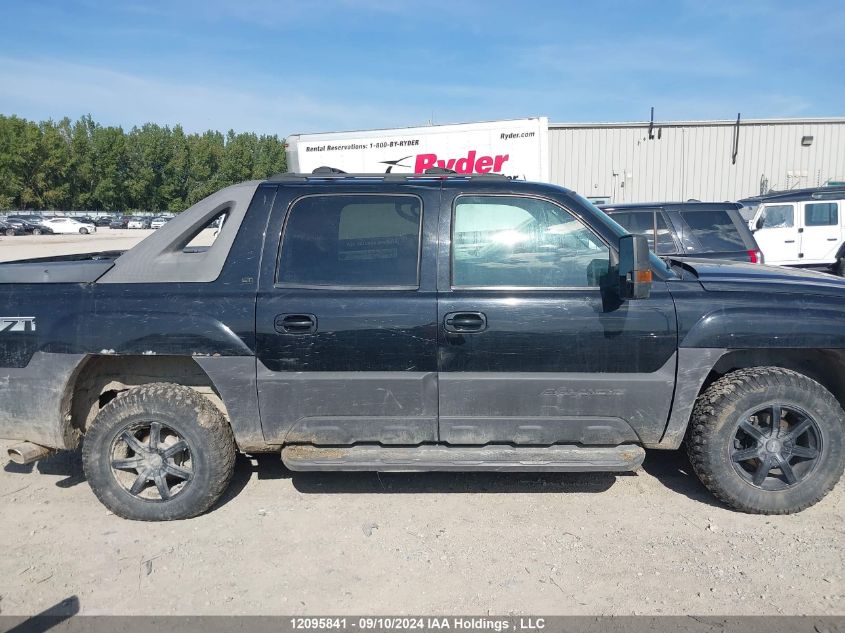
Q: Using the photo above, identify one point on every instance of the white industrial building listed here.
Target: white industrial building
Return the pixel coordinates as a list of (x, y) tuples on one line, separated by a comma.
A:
[(703, 160), (606, 162)]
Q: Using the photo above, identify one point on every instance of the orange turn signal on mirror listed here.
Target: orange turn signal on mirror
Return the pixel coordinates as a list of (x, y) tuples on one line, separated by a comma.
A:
[(642, 276)]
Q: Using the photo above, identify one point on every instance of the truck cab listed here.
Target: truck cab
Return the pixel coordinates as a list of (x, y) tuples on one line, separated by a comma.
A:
[(417, 322)]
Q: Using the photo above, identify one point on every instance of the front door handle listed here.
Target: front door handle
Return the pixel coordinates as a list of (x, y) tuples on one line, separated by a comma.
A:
[(789, 241), (465, 322), (295, 324)]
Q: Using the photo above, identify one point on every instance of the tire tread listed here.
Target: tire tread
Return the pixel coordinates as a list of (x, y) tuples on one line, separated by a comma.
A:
[(706, 417), (221, 441)]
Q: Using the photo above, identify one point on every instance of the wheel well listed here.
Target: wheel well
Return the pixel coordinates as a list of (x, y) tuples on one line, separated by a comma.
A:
[(825, 366), (101, 379)]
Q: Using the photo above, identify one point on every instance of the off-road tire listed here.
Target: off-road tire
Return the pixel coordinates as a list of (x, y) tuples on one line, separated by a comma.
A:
[(714, 422), (194, 418)]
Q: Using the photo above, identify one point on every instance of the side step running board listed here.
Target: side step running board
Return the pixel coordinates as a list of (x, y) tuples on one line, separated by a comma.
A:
[(558, 458)]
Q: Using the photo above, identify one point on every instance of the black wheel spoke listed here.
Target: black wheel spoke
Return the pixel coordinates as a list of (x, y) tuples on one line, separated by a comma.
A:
[(799, 429), (133, 442), (752, 430), (177, 471), (788, 474), (777, 413), (174, 449), (161, 484), (745, 454), (762, 471), (140, 482), (155, 435), (132, 463), (807, 452)]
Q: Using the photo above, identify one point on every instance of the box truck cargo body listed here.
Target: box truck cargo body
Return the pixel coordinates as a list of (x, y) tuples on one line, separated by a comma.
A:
[(516, 148)]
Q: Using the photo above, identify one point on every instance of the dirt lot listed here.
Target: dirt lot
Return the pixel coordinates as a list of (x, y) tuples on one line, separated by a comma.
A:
[(284, 543), (654, 542), (23, 246)]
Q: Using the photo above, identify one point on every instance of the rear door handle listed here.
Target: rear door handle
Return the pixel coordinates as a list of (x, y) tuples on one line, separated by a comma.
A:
[(789, 241), (464, 322), (833, 239), (295, 324)]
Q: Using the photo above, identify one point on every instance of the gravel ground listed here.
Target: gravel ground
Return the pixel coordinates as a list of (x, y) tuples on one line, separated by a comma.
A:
[(23, 246), (654, 542)]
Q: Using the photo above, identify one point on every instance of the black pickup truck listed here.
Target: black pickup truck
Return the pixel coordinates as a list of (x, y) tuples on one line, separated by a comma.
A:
[(411, 323)]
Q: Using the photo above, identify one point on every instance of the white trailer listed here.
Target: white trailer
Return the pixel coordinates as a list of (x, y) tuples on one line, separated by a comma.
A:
[(517, 148)]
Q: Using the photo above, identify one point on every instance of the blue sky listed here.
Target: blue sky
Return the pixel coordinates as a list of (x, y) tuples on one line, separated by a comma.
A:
[(286, 67)]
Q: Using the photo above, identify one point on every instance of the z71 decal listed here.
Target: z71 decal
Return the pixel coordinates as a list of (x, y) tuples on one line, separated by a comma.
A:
[(17, 324)]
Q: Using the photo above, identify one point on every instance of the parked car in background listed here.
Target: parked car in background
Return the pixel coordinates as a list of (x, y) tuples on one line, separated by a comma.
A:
[(157, 223), (139, 222), (69, 225), (119, 222), (711, 230), (10, 230), (103, 220), (803, 228), (29, 217), (30, 228)]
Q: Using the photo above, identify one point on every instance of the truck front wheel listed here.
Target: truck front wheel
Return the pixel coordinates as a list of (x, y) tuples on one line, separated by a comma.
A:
[(159, 452), (767, 440)]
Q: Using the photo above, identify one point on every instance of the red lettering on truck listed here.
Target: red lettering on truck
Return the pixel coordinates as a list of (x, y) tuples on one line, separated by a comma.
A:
[(469, 164)]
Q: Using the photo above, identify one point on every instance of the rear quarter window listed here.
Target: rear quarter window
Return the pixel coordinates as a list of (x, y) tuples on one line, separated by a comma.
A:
[(714, 229)]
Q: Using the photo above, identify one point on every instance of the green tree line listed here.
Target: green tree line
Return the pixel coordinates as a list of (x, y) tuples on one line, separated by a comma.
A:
[(84, 165)]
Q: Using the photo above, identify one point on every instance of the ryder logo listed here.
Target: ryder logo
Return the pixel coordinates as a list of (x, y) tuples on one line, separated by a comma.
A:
[(469, 164)]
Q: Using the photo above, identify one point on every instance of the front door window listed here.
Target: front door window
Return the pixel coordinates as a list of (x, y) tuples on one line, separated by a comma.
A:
[(502, 241)]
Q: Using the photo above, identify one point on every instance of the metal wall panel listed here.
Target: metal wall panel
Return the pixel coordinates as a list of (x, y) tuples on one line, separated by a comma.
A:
[(694, 159)]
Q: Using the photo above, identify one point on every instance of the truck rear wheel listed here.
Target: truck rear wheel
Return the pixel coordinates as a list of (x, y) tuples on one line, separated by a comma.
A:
[(159, 452), (767, 440)]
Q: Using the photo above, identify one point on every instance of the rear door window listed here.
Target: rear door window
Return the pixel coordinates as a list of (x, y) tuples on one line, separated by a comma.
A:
[(363, 241), (821, 214), (714, 229)]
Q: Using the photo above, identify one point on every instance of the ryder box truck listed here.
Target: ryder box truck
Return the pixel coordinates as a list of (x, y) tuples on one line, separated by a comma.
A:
[(516, 148)]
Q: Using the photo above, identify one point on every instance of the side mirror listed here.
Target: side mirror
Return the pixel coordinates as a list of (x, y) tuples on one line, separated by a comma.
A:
[(759, 223), (634, 267)]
